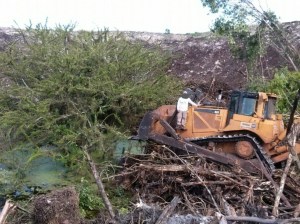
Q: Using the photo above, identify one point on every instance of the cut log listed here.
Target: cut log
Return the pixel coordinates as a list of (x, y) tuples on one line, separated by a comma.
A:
[(8, 207), (168, 211)]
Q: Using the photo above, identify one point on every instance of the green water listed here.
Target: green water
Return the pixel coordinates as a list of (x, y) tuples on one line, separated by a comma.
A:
[(25, 169), (45, 171)]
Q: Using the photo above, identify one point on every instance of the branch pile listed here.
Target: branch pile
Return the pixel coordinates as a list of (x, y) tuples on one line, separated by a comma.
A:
[(206, 188)]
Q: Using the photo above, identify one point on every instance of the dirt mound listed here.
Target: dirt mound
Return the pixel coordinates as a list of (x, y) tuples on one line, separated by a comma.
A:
[(204, 58), (58, 207)]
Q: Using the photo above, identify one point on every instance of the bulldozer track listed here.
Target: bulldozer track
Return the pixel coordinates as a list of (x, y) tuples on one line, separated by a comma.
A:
[(261, 154)]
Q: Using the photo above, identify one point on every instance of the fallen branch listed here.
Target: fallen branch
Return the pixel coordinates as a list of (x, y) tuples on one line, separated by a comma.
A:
[(269, 177), (192, 170), (8, 207), (165, 168), (203, 183), (282, 182), (291, 139), (100, 186), (261, 220), (188, 203), (168, 211), (226, 177)]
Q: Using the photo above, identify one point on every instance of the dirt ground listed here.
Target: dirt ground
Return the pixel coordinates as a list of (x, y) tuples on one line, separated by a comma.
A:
[(202, 60)]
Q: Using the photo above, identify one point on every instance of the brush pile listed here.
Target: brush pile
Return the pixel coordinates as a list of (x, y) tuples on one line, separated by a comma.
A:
[(206, 189)]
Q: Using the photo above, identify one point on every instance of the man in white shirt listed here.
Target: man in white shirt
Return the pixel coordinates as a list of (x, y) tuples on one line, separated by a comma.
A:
[(182, 108)]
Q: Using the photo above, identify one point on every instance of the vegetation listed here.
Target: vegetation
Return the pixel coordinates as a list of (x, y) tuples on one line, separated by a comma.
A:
[(285, 84), (78, 89), (83, 90), (89, 202), (249, 30)]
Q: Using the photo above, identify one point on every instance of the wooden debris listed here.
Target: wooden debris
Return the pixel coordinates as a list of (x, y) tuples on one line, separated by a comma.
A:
[(8, 207), (260, 220), (297, 211), (291, 140), (282, 183), (100, 186), (206, 188), (168, 211)]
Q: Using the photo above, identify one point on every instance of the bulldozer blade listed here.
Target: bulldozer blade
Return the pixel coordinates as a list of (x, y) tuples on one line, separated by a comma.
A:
[(145, 126)]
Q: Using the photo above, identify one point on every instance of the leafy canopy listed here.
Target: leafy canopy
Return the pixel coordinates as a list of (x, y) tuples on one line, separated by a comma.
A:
[(249, 29), (73, 89), (285, 84)]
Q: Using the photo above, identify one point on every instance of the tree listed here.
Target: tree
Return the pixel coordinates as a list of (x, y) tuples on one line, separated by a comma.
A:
[(76, 89), (285, 84), (249, 29)]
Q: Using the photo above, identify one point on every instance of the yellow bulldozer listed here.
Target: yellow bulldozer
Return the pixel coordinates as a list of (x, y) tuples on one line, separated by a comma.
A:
[(247, 132)]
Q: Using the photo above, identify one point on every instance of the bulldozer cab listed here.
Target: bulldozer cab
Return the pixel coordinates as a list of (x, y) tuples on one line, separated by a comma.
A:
[(259, 104), (242, 103)]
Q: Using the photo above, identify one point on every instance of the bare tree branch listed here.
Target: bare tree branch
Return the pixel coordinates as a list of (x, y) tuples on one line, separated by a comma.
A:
[(100, 185)]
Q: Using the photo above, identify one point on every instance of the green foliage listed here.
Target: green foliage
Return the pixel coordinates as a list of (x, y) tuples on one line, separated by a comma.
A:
[(7, 178), (257, 84), (285, 84), (89, 202), (76, 89), (246, 28), (215, 5), (120, 199)]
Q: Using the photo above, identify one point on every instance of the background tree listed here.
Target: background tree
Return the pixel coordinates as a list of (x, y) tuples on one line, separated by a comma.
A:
[(250, 29), (285, 84)]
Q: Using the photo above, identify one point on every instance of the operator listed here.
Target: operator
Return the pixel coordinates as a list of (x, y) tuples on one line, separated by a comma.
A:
[(182, 108)]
